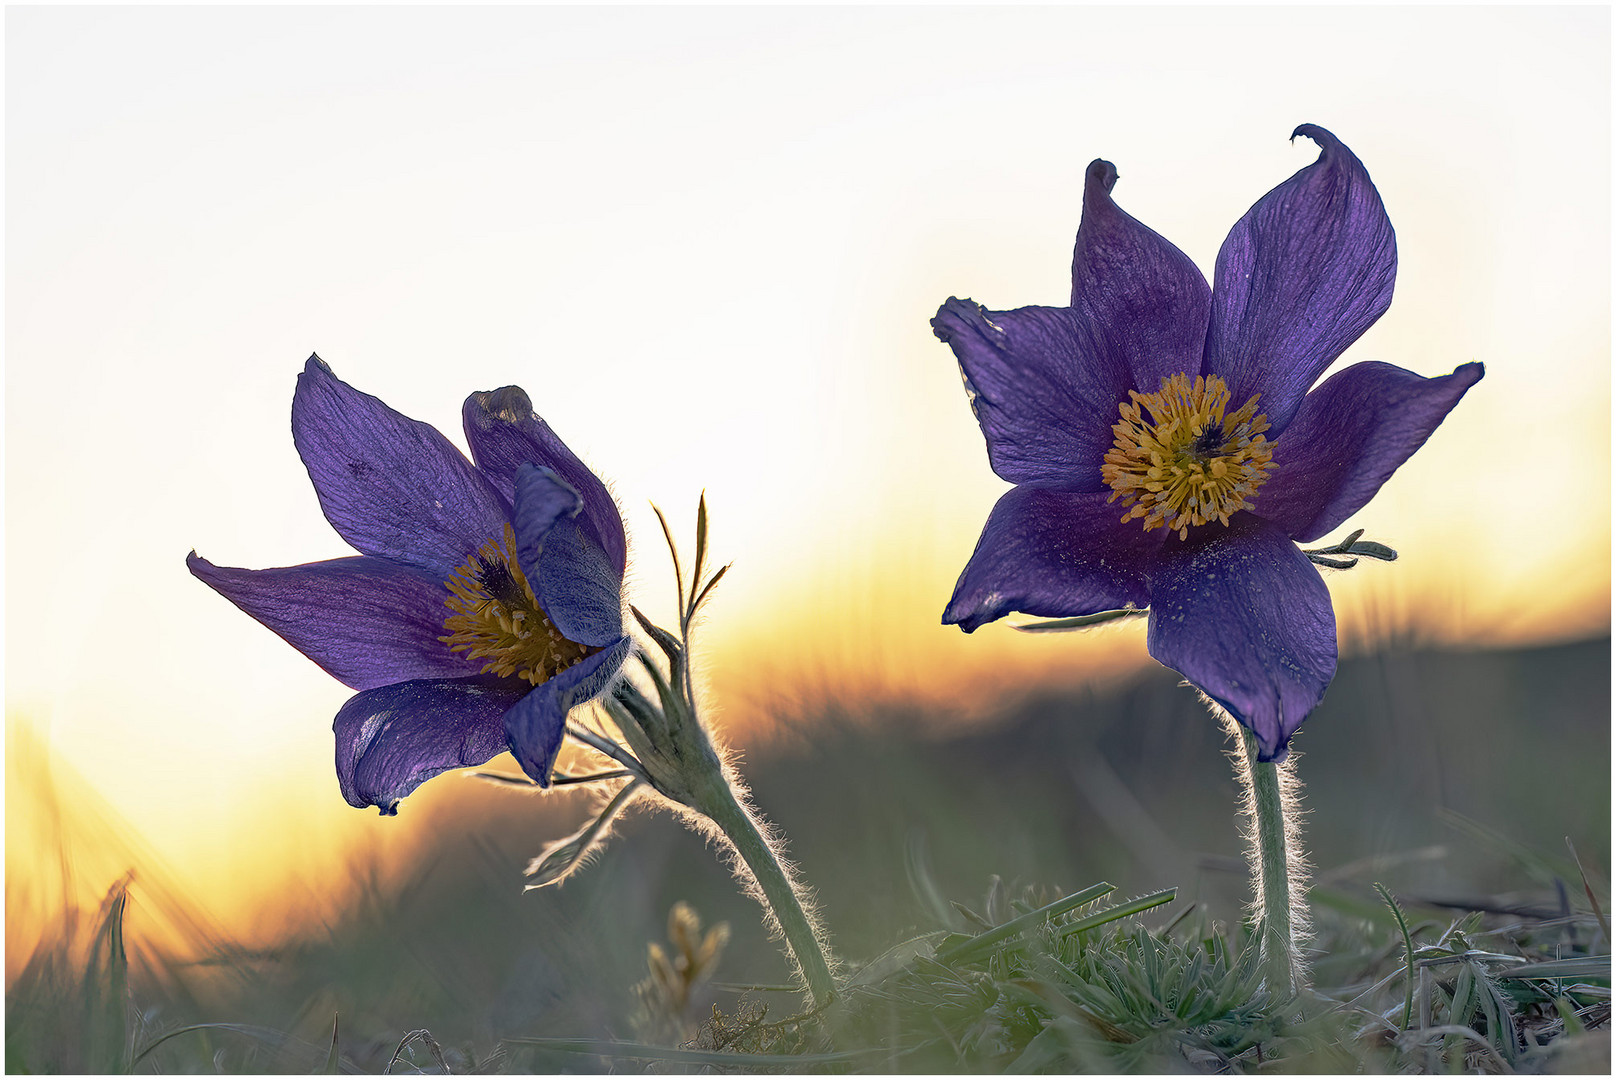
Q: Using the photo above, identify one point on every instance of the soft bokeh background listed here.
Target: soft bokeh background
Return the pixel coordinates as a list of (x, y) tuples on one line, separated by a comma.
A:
[(708, 242)]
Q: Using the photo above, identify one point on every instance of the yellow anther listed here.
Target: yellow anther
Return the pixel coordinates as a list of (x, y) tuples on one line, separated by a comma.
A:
[(1188, 462), (497, 618)]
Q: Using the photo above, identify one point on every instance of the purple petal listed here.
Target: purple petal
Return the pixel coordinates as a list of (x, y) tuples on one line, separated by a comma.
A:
[(1146, 302), (1046, 383), (1305, 272), (578, 587), (389, 485), (573, 578), (1044, 398), (367, 621), (535, 727), (1054, 554), (392, 739), (1243, 615), (542, 500), (1348, 438), (505, 434)]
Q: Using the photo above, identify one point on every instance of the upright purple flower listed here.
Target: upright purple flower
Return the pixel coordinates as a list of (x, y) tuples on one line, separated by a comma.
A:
[(487, 600), (1136, 486)]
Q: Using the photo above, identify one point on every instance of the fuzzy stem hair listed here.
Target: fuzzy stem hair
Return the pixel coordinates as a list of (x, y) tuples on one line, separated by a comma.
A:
[(1270, 823), (756, 857)]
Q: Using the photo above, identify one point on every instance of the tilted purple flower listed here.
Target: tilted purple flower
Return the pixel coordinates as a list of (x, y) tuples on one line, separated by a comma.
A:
[(1192, 406), (487, 598)]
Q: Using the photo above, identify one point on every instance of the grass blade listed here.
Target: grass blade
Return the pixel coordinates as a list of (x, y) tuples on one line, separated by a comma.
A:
[(1574, 967), (985, 940), (1408, 953), (334, 1059), (1587, 887), (1121, 911)]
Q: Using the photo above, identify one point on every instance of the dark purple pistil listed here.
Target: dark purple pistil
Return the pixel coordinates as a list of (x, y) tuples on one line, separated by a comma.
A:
[(1209, 443), (498, 582)]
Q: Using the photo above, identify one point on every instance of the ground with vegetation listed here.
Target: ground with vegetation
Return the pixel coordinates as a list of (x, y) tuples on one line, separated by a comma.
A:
[(1054, 888)]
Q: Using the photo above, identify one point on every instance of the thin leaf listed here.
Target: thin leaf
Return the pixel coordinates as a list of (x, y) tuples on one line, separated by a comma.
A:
[(1121, 911), (1587, 887), (667, 641), (514, 781), (334, 1059), (592, 778), (673, 550), (1572, 967), (986, 940), (607, 747), (1408, 953), (672, 707), (105, 986), (267, 1035), (702, 599), (1080, 622), (1371, 550), (1340, 547), (563, 857), (701, 546)]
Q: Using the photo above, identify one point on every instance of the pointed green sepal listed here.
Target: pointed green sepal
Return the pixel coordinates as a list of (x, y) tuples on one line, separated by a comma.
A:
[(561, 859)]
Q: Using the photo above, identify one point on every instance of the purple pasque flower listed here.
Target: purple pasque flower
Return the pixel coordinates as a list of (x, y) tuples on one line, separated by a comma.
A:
[(487, 598), (1136, 486)]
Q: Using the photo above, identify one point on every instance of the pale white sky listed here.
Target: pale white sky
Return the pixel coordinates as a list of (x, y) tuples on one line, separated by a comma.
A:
[(708, 242)]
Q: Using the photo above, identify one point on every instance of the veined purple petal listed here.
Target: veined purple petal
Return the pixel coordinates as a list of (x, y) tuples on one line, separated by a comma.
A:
[(367, 621), (578, 587), (1241, 613), (572, 577), (542, 500), (1308, 269), (1348, 438), (536, 726), (392, 739), (390, 486), (1145, 303), (505, 434), (1055, 554), (1040, 386)]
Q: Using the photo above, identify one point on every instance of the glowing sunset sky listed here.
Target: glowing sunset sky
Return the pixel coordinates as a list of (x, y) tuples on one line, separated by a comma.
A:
[(709, 243)]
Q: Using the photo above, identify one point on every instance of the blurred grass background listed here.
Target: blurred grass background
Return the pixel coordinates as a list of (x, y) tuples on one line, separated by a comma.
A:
[(1453, 776)]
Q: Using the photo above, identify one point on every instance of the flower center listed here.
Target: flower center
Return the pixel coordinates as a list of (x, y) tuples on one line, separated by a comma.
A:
[(498, 619), (1188, 463)]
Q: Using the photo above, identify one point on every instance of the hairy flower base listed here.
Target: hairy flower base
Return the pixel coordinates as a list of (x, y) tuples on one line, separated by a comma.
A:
[(498, 618), (1188, 464)]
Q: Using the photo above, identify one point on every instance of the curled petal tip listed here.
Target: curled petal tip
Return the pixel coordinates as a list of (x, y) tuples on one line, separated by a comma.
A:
[(314, 363), (1101, 175), (508, 403), (1319, 135), (945, 324)]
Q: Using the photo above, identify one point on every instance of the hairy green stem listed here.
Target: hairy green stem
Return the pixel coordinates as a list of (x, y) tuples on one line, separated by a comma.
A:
[(1272, 872), (737, 823)]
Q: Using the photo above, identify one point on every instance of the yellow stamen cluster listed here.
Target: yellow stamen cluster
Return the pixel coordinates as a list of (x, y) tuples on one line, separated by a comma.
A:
[(498, 619), (1187, 463)]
